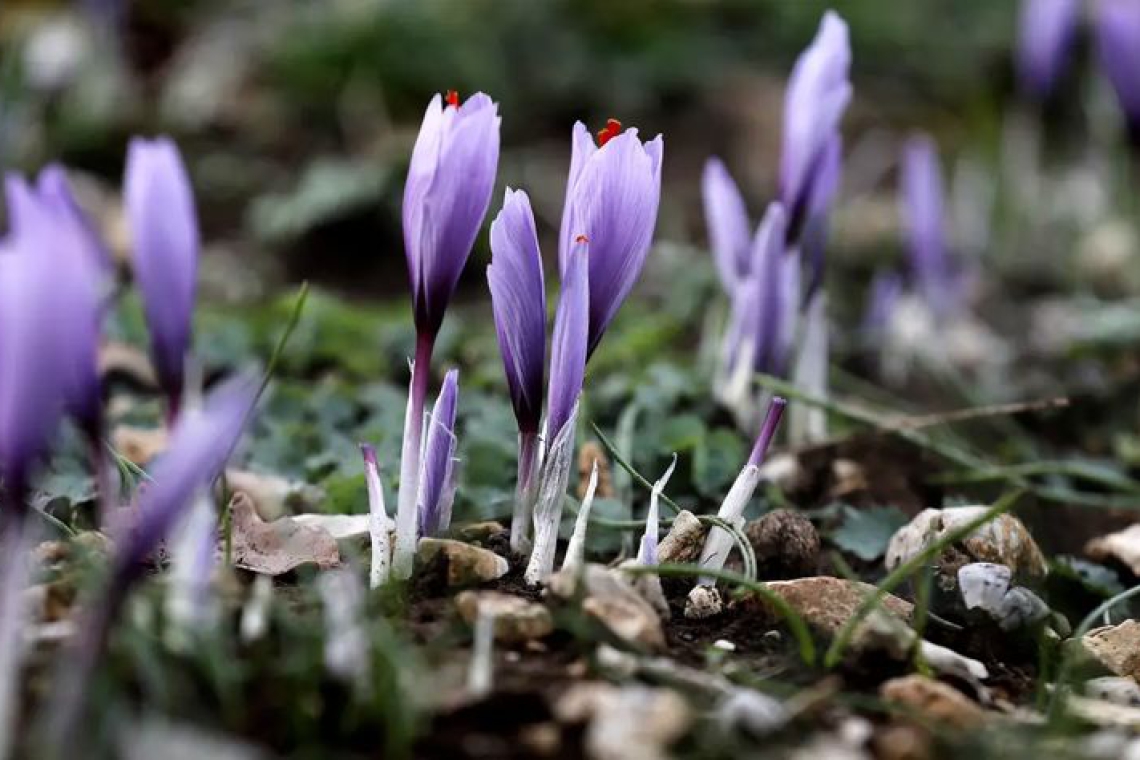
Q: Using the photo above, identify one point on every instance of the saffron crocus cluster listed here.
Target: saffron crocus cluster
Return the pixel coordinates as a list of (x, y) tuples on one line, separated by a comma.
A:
[(448, 191), (52, 285), (775, 282), (165, 244), (612, 196), (1045, 34)]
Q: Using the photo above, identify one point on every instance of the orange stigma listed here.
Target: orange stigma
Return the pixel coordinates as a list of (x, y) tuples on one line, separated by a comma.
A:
[(581, 239), (452, 98), (609, 132)]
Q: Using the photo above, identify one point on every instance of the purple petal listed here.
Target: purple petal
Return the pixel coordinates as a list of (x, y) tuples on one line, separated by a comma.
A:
[(518, 300), (817, 95), (922, 215), (769, 299), (613, 203), (448, 191), (568, 344), (164, 229), (767, 430), (886, 289), (1118, 49), (439, 456), (200, 443), (726, 218), (1046, 29)]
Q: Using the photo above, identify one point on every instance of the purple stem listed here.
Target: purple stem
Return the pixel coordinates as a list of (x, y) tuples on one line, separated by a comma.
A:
[(767, 430)]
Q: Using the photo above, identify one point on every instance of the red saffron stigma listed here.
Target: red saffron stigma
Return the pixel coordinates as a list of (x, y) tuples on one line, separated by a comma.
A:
[(609, 132), (452, 98), (581, 239)]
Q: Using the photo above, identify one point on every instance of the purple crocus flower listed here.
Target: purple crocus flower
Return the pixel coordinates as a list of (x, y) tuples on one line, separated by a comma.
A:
[(1045, 33), (612, 194), (1118, 49), (817, 96), (567, 368), (438, 467), (922, 212), (518, 300), (568, 344), (165, 240), (726, 218), (886, 289), (769, 298), (448, 191), (80, 258)]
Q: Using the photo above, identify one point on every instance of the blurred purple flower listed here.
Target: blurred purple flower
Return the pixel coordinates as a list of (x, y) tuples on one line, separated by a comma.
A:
[(448, 191), (767, 431), (164, 228), (726, 218), (886, 289), (518, 300), (80, 259), (922, 213), (766, 302), (1045, 33), (568, 343), (438, 464), (1118, 49), (612, 194), (817, 95)]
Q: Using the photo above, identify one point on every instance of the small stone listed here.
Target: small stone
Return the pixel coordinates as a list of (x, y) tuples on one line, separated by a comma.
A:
[(543, 739), (1116, 647), (750, 711), (1004, 541), (826, 603), (1100, 712), (703, 602), (1122, 546), (724, 645), (1115, 689), (479, 532), (985, 586), (902, 741), (611, 600), (786, 544), (626, 722), (462, 564), (516, 619), (936, 701), (683, 543)]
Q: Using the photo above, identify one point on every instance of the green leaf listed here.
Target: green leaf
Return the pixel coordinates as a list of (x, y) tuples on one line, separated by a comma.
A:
[(866, 532)]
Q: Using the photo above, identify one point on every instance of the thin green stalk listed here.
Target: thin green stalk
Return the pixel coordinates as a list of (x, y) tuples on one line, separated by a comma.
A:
[(617, 457), (796, 624), (279, 348), (909, 568)]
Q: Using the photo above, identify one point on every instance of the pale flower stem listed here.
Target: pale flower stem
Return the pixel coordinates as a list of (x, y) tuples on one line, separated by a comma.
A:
[(808, 424), (576, 551), (647, 553), (406, 518), (719, 542), (548, 507), (525, 492), (481, 670), (377, 522)]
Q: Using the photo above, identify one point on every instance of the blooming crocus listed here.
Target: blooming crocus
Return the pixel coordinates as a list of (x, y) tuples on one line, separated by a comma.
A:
[(612, 194), (45, 321), (726, 218), (817, 95), (377, 519), (165, 241), (437, 475), (1045, 33), (446, 196), (518, 300), (201, 441), (1118, 50), (718, 543), (922, 212), (567, 369)]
